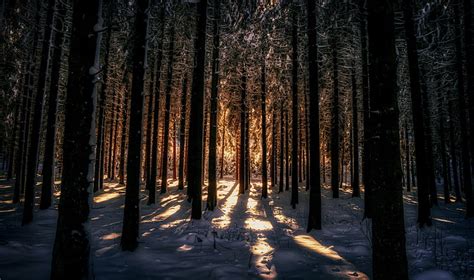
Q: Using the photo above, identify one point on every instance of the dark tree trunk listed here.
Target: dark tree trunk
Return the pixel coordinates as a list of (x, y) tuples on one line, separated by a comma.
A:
[(469, 49), (166, 133), (442, 151), (365, 107), (335, 137), (385, 176), (465, 159), (72, 246), (294, 89), (149, 124), (99, 164), (212, 172), (50, 141), (196, 129), (263, 85), (151, 183), (273, 166), (12, 143), (454, 160), (111, 135), (407, 157), (123, 144), (314, 215), (131, 215), (243, 113), (423, 179), (282, 149), (33, 150), (287, 153), (223, 144), (355, 138), (182, 133)]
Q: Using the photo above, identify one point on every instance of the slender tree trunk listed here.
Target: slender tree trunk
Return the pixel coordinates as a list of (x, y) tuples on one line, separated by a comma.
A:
[(223, 144), (149, 124), (151, 183), (335, 137), (294, 140), (282, 150), (355, 137), (173, 141), (407, 157), (182, 132), (469, 46), (465, 159), (169, 84), (131, 216), (126, 110), (273, 167), (50, 141), (72, 246), (263, 85), (243, 109), (423, 180), (454, 161), (365, 107), (33, 151), (444, 161), (385, 176), (212, 167), (287, 152), (195, 146), (314, 214)]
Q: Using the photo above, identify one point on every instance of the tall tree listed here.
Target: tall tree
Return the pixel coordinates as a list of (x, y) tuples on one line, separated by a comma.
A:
[(263, 89), (182, 133), (465, 159), (335, 134), (243, 113), (33, 150), (131, 215), (424, 216), (151, 183), (295, 109), (212, 172), (72, 245), (314, 215), (384, 173), (196, 129), (355, 136), (166, 133)]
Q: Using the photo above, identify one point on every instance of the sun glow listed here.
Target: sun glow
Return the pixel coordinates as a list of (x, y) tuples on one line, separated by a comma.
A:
[(312, 244)]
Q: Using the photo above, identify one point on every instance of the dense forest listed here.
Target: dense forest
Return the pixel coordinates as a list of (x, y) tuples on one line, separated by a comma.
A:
[(221, 139)]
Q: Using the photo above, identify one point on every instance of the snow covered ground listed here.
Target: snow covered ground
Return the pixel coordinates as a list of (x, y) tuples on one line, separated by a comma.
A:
[(246, 238)]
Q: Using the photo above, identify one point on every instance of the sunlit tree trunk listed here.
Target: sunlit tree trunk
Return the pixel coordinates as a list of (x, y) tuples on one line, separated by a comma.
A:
[(212, 166), (282, 150), (182, 132), (243, 109), (263, 88)]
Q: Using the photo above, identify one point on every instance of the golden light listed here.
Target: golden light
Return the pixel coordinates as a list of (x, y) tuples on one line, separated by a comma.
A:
[(162, 216), (105, 197), (257, 224), (111, 236), (308, 242)]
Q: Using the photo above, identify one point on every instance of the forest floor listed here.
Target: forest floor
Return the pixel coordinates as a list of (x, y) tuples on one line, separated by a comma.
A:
[(245, 238)]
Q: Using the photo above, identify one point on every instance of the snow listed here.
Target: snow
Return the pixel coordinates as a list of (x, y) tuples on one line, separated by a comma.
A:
[(245, 238)]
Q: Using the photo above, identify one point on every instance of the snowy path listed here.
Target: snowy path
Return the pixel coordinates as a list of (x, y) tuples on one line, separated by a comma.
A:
[(245, 238)]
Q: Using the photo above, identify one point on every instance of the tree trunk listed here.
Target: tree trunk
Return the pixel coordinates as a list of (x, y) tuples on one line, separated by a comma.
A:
[(407, 157), (287, 153), (196, 129), (282, 149), (355, 138), (243, 109), (33, 150), (314, 214), (169, 84), (131, 215), (123, 144), (385, 176), (263, 85), (466, 166), (182, 133), (151, 183), (294, 89), (454, 160), (423, 180), (212, 172), (335, 137), (72, 246)]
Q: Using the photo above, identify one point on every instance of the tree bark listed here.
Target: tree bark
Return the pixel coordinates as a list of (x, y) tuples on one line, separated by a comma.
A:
[(384, 173)]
